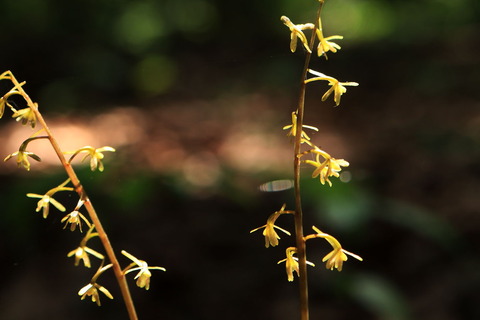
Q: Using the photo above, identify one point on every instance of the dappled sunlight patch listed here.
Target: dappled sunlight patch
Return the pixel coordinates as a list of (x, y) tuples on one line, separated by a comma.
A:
[(221, 133)]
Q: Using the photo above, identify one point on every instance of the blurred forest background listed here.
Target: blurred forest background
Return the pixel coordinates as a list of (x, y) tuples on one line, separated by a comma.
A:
[(193, 95)]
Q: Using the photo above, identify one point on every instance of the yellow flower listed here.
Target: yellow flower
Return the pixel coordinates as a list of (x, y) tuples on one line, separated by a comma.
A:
[(325, 44), (26, 115), (271, 236), (336, 86), (3, 102), (297, 32), (22, 154), (330, 167), (14, 91), (22, 158), (75, 218), (144, 274), (81, 253), (95, 155), (338, 255), (293, 128), (91, 289), (291, 263), (47, 199), (44, 203)]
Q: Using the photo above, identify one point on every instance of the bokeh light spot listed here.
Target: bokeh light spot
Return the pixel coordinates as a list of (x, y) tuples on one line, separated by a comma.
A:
[(193, 17), (140, 25), (155, 75), (359, 20)]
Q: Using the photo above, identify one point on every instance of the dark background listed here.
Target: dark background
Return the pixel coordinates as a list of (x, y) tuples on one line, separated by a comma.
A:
[(193, 95)]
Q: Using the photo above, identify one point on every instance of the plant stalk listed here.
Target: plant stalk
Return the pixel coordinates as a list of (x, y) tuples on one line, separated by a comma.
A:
[(300, 241), (87, 203)]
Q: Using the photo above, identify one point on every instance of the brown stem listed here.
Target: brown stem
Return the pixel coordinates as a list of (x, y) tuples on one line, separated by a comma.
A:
[(300, 242), (88, 205)]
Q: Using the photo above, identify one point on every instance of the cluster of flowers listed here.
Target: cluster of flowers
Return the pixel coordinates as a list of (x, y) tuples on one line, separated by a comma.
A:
[(325, 166), (75, 218), (324, 46), (83, 252), (334, 259)]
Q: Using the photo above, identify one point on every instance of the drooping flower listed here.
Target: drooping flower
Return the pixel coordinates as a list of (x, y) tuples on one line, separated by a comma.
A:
[(44, 202), (91, 289), (329, 167), (336, 86), (81, 253), (26, 115), (293, 129), (22, 158), (47, 199), (143, 276), (75, 218), (15, 91), (334, 259), (271, 236), (95, 155), (297, 33), (291, 263), (22, 154), (325, 45)]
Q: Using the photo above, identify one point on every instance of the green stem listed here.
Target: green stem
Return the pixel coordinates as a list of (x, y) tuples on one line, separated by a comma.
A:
[(122, 282), (300, 241)]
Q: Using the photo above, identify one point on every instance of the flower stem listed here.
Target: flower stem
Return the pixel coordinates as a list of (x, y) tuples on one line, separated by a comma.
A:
[(300, 241), (87, 203)]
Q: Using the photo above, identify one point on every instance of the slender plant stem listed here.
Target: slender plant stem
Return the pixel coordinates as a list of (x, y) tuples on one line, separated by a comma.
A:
[(300, 241), (87, 203)]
